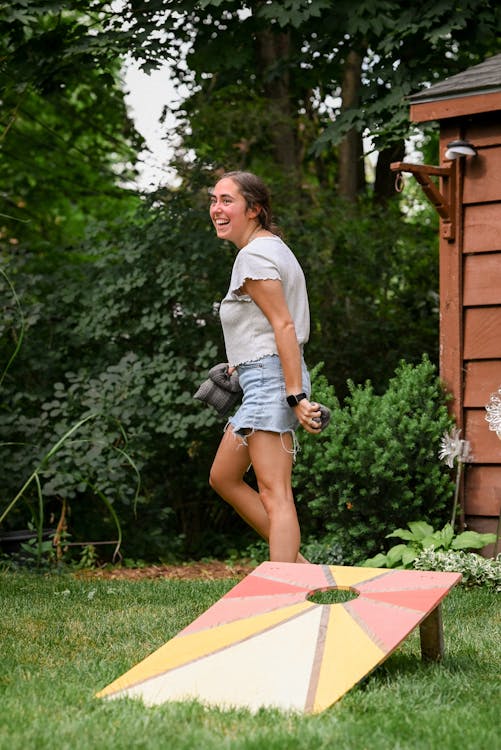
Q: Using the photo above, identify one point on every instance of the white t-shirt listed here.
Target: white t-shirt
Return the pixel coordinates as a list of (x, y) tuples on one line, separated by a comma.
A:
[(247, 332)]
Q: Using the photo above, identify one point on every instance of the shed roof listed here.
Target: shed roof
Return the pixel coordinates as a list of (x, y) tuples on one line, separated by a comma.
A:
[(479, 79), (475, 91)]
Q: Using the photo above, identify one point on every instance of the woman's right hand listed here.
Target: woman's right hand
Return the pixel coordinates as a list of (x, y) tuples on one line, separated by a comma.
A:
[(308, 415)]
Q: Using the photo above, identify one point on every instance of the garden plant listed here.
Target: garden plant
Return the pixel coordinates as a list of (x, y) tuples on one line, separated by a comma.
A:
[(376, 465)]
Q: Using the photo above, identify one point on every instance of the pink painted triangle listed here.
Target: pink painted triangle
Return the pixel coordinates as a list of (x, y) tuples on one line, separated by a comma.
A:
[(401, 580), (229, 609), (254, 585), (423, 600), (385, 625), (310, 577)]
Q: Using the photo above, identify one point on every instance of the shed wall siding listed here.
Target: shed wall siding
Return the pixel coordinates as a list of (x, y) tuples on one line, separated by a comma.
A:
[(470, 275), (477, 249), (482, 228), (482, 176)]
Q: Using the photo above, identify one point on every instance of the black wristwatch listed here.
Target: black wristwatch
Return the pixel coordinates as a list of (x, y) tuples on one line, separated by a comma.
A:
[(294, 400)]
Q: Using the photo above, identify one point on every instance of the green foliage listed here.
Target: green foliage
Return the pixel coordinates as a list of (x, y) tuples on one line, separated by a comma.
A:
[(406, 46), (475, 570), (35, 552), (376, 464), (128, 334), (421, 536), (43, 550), (293, 12), (294, 56), (323, 551), (66, 137), (13, 316), (372, 282), (89, 558)]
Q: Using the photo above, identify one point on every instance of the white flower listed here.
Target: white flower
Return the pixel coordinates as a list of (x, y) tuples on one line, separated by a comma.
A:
[(493, 415), (452, 447)]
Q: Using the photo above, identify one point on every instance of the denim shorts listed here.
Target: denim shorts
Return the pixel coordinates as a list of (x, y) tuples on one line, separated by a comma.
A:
[(264, 405)]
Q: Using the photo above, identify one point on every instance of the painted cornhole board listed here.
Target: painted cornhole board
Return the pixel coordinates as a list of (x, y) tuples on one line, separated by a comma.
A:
[(264, 644)]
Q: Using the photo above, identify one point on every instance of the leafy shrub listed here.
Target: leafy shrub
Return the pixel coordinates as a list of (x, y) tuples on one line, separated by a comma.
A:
[(475, 570), (376, 464), (123, 327), (372, 285), (421, 536), (326, 551)]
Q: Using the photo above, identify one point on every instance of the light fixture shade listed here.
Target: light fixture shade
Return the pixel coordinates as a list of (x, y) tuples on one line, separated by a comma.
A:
[(457, 149)]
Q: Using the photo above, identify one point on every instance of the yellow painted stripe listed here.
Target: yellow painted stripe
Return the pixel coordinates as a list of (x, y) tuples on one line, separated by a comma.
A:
[(348, 655), (185, 649), (346, 576)]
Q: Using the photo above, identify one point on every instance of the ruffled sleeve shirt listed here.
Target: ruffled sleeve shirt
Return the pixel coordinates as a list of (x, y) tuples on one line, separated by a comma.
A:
[(247, 332)]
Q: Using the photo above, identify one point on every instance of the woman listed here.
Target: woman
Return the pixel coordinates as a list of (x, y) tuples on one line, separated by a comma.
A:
[(265, 320)]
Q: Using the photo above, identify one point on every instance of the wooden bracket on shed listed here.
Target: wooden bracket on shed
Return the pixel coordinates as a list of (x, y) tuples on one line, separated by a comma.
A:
[(443, 196)]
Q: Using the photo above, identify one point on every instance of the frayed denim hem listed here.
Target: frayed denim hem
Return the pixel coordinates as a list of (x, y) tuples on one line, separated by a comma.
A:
[(243, 433)]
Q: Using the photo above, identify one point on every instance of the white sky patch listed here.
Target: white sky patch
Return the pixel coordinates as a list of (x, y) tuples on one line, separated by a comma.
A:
[(146, 95)]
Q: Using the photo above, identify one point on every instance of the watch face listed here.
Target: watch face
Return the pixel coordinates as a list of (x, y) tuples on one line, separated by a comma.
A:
[(294, 400)]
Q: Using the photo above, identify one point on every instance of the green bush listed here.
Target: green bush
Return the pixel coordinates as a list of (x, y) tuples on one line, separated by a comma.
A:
[(122, 327), (421, 536), (376, 465), (475, 570), (372, 284)]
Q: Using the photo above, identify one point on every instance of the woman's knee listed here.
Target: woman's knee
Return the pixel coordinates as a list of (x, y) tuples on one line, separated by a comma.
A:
[(215, 479), (277, 499), (221, 481)]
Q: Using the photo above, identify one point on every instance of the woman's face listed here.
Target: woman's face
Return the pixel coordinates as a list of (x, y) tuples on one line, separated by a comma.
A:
[(232, 219)]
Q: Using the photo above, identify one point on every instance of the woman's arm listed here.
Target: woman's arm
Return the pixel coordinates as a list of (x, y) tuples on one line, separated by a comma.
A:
[(269, 297)]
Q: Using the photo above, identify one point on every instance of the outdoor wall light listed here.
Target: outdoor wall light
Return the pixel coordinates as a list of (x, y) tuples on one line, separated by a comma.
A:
[(457, 149)]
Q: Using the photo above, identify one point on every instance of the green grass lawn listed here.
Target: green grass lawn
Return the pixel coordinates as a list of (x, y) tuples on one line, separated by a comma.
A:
[(64, 638)]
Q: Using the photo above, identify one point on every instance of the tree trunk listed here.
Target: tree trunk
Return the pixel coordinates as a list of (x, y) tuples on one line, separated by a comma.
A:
[(351, 180), (384, 183), (274, 53)]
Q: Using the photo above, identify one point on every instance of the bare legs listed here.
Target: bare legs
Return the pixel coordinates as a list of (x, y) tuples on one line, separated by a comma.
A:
[(271, 511)]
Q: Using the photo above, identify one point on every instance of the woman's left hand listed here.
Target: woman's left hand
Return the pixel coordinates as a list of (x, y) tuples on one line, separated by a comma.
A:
[(308, 415)]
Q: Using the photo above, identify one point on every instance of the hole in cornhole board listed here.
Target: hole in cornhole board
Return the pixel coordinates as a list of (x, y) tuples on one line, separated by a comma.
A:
[(332, 595)]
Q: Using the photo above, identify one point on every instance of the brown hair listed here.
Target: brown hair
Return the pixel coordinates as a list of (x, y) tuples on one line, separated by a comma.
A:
[(255, 192)]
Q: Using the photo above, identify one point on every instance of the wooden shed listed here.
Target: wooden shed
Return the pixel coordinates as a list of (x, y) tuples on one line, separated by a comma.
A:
[(467, 194)]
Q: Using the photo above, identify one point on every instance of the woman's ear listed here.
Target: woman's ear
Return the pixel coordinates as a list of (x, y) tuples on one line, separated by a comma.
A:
[(254, 211)]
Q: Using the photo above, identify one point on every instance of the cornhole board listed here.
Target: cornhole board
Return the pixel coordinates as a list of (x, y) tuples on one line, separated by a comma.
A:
[(265, 644)]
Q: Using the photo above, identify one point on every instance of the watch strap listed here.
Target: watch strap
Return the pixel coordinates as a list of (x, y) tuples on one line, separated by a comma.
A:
[(293, 400)]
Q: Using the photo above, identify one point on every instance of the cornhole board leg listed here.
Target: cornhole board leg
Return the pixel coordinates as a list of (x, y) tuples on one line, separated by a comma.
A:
[(431, 633)]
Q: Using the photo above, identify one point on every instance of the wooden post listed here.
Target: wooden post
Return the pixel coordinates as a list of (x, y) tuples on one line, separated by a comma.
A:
[(431, 632)]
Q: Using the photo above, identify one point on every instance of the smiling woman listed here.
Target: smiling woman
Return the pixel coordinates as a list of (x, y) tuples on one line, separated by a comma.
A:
[(245, 207), (266, 322), (229, 214)]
